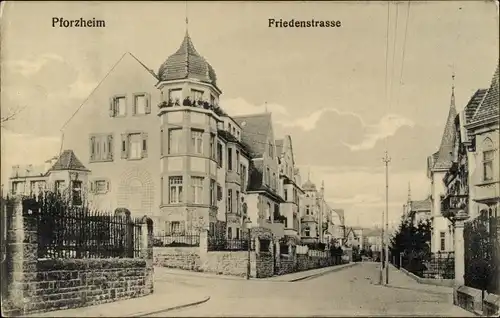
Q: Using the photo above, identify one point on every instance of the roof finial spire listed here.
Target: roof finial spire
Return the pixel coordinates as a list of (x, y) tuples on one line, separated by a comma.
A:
[(187, 21), (309, 174), (265, 106), (452, 104), (409, 192)]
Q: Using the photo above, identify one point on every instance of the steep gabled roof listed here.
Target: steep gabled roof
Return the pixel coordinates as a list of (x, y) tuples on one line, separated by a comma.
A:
[(279, 146), (489, 107), (255, 132), (444, 154), (473, 104), (422, 205), (68, 161)]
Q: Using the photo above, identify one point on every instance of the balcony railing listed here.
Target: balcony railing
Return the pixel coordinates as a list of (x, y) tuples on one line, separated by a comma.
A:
[(452, 203)]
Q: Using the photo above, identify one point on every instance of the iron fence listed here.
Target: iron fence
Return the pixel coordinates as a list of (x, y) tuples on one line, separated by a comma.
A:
[(176, 240), (67, 231), (482, 252), (223, 244), (435, 266)]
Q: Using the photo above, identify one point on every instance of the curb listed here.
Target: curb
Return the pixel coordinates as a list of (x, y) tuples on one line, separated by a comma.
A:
[(335, 269), (147, 313)]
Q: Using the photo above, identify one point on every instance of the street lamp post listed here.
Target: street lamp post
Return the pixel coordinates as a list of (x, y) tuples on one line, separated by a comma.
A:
[(247, 223), (386, 160)]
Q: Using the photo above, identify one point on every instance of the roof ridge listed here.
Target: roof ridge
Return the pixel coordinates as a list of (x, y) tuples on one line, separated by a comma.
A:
[(252, 115), (143, 65)]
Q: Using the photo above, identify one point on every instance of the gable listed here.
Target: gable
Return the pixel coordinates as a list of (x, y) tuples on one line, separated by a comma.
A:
[(128, 74)]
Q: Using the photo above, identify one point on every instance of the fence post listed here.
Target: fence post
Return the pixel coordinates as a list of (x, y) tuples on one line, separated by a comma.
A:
[(147, 253), (23, 242)]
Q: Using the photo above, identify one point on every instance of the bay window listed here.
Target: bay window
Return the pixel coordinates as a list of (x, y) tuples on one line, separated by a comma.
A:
[(175, 185)]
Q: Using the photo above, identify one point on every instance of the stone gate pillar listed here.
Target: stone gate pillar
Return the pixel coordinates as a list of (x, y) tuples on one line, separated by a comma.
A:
[(459, 252)]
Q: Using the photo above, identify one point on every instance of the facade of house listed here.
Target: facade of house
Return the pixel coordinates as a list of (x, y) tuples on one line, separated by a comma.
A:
[(418, 210), (372, 239), (437, 166), (292, 193), (159, 144)]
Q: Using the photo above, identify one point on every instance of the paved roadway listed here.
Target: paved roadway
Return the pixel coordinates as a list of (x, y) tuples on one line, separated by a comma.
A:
[(350, 292)]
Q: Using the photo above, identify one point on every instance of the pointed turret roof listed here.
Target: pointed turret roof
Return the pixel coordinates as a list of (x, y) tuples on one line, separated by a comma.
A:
[(187, 63), (68, 161), (444, 155)]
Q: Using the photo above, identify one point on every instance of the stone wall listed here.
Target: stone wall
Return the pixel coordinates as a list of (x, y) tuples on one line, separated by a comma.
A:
[(39, 285), (70, 283), (228, 263), (287, 265), (187, 258), (264, 265)]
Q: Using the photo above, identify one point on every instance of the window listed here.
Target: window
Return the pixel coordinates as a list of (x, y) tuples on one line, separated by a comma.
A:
[(237, 161), (307, 232), (274, 183), (442, 237), (229, 233), (76, 192), (99, 186), (488, 165), (196, 95), (101, 147), (212, 146), (229, 127), (229, 201), (175, 96), (237, 202), (135, 144), (141, 104), (219, 193), (118, 106), (197, 141), (307, 210), (237, 234), (219, 154), (229, 159), (268, 211), (175, 184), (213, 193), (175, 227), (234, 131), (212, 100), (197, 189), (37, 187), (17, 187), (286, 195), (268, 177), (60, 185), (174, 140)]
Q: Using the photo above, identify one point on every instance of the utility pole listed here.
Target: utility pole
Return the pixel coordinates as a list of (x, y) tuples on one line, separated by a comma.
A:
[(381, 251), (386, 160)]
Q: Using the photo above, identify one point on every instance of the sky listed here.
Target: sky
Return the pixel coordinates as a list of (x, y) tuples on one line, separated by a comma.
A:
[(325, 87)]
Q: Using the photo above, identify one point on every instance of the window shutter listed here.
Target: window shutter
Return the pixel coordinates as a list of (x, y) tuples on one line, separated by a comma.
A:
[(167, 227), (112, 107), (92, 148), (134, 104), (124, 146), (148, 103), (110, 147), (144, 145)]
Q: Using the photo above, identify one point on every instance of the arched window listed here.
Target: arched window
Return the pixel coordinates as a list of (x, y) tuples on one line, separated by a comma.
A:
[(488, 157)]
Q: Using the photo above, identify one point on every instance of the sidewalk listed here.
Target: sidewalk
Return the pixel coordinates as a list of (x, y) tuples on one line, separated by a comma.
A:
[(295, 277), (162, 273), (166, 297)]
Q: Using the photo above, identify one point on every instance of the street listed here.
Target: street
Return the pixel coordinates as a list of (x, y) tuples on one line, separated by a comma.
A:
[(350, 292)]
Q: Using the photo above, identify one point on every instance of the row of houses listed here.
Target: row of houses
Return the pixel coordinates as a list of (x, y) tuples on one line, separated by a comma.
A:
[(159, 144), (465, 190)]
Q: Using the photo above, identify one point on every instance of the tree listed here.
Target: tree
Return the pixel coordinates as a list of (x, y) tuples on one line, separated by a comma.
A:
[(10, 115), (411, 242)]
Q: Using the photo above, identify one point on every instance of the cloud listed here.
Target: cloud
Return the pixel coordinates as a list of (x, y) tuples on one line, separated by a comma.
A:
[(387, 126), (32, 66)]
